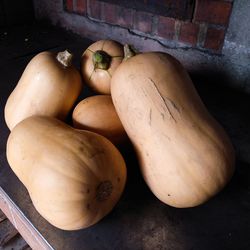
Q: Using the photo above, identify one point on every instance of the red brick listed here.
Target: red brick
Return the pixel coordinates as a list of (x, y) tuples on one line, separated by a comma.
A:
[(109, 13), (81, 6), (189, 33), (143, 22), (214, 39), (166, 27), (125, 17), (217, 12), (118, 15), (94, 9), (69, 5)]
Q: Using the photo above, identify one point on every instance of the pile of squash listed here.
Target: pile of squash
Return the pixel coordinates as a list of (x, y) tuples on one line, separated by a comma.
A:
[(73, 171)]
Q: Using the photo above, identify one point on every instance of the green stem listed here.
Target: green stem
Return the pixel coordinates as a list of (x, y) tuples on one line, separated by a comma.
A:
[(101, 60)]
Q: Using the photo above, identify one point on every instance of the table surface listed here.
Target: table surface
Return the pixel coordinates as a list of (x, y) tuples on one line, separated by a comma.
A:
[(139, 221)]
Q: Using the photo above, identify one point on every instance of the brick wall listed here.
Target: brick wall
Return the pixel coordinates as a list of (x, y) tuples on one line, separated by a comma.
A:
[(199, 24)]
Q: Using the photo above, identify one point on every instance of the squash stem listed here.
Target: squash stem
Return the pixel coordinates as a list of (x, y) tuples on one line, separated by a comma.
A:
[(128, 52), (104, 190), (65, 58), (101, 60)]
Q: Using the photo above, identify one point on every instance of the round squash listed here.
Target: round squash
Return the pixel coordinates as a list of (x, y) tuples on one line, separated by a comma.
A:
[(48, 86), (98, 114), (99, 62), (185, 156), (74, 177)]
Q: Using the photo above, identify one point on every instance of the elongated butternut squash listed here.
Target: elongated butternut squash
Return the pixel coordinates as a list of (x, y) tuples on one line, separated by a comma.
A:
[(49, 86), (184, 154)]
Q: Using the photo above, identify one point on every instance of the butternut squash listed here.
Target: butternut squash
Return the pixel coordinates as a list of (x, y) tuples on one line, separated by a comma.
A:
[(185, 156), (74, 177), (98, 114), (48, 86), (99, 62)]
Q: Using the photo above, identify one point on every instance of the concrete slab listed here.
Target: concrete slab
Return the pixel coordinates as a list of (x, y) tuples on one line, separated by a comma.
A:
[(139, 221)]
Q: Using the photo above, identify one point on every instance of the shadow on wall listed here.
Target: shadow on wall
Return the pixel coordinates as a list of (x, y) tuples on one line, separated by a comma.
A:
[(230, 106)]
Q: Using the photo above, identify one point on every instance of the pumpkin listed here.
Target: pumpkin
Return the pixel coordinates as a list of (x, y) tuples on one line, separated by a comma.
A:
[(74, 178), (98, 114), (99, 62), (185, 156), (48, 86)]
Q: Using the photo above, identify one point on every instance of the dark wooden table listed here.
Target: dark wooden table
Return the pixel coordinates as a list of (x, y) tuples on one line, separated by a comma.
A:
[(139, 221)]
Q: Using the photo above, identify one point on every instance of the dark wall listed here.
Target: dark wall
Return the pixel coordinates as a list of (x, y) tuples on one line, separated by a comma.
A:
[(181, 9), (14, 12)]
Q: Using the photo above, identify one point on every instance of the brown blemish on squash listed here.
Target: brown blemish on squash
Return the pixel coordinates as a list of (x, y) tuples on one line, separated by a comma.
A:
[(84, 149), (81, 149), (98, 152), (104, 190), (88, 206), (118, 179)]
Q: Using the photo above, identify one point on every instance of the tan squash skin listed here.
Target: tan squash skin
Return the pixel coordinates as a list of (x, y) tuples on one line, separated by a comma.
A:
[(98, 114), (46, 87), (184, 154), (99, 79), (74, 177)]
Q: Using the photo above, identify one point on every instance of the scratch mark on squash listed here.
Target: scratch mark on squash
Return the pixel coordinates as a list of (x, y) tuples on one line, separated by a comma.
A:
[(167, 101), (166, 136), (150, 116), (131, 77), (173, 104)]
